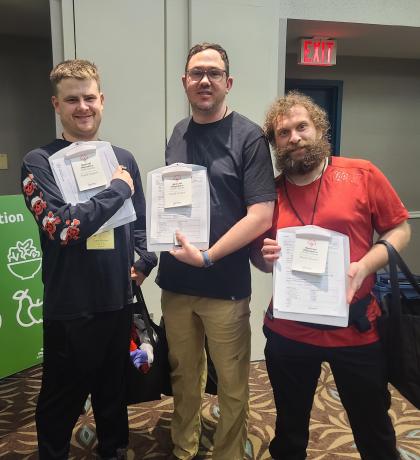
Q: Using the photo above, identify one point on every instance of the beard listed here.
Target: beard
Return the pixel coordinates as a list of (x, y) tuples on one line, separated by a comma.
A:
[(315, 153)]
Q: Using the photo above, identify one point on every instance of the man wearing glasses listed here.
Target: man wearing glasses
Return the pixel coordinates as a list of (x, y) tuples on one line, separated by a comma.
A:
[(207, 293)]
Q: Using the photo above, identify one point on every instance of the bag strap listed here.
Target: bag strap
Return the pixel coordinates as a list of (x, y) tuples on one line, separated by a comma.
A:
[(395, 308), (144, 313), (394, 261), (402, 265)]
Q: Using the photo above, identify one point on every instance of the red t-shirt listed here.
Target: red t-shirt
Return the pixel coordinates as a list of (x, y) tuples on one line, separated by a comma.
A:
[(356, 199)]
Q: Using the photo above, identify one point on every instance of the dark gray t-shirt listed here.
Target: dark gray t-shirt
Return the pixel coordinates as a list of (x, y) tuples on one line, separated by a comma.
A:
[(237, 157)]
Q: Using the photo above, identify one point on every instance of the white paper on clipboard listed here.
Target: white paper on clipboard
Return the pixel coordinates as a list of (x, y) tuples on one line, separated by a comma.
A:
[(61, 166), (307, 297), (192, 220)]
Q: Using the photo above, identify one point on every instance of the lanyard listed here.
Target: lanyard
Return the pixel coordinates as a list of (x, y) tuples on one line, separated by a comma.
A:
[(315, 202)]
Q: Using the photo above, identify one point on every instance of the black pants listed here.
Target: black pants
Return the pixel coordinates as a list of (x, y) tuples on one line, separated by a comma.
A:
[(359, 374), (81, 357)]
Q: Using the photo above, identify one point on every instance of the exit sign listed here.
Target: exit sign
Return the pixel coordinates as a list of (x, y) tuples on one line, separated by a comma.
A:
[(317, 51)]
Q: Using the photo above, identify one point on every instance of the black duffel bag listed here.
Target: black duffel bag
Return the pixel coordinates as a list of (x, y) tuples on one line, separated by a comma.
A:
[(399, 330), (149, 386), (143, 387)]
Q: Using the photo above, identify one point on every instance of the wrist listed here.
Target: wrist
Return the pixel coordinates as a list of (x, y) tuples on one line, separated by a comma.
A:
[(207, 262), (366, 268)]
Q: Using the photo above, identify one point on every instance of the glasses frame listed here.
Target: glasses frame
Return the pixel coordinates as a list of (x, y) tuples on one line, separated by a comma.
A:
[(206, 73)]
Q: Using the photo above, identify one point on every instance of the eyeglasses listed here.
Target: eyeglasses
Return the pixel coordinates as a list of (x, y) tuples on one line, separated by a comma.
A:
[(197, 74)]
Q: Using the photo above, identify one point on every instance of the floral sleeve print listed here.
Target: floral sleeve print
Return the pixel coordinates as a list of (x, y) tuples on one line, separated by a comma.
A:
[(71, 232), (38, 205), (29, 186), (49, 223)]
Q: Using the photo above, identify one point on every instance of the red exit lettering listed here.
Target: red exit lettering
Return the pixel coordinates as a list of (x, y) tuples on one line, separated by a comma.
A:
[(318, 52)]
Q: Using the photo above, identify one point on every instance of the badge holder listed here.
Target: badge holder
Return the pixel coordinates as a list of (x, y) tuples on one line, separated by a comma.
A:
[(310, 251), (87, 167)]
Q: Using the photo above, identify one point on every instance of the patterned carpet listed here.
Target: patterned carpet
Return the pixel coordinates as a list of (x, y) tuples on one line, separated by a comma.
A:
[(331, 438)]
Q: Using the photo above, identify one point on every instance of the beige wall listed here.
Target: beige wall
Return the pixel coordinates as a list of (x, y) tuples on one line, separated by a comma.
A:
[(380, 118), (26, 114), (141, 64), (140, 36)]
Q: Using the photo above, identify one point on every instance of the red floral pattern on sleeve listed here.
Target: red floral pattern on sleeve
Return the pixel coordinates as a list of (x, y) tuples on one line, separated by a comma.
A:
[(49, 224), (29, 185), (71, 232), (38, 205)]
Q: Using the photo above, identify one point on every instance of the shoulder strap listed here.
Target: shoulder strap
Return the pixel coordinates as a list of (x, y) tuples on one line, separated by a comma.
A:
[(395, 308), (401, 264), (142, 309), (394, 261)]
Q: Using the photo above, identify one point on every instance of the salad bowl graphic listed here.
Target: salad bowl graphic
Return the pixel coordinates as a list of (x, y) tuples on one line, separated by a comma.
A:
[(24, 259)]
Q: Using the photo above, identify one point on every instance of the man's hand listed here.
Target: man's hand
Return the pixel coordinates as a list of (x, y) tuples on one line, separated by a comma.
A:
[(187, 253), (138, 277), (122, 173), (270, 251), (356, 275)]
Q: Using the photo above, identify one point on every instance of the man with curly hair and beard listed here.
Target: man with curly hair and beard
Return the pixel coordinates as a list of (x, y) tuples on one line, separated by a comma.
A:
[(349, 196)]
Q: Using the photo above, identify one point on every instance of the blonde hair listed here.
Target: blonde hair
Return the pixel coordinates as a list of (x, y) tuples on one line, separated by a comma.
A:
[(74, 68)]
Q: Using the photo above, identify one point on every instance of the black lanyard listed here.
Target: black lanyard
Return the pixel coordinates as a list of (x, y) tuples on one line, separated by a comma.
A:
[(315, 203)]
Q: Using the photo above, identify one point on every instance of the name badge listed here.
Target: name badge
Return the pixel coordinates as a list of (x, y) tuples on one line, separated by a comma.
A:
[(88, 170), (101, 241), (310, 255), (177, 190)]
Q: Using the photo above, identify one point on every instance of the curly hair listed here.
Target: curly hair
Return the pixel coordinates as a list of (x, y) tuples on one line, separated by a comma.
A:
[(74, 68), (283, 105), (208, 46)]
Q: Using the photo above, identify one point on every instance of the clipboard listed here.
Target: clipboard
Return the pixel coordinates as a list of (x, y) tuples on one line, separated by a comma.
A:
[(295, 294), (193, 220)]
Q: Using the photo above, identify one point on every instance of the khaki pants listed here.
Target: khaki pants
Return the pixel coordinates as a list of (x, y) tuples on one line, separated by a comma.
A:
[(226, 323)]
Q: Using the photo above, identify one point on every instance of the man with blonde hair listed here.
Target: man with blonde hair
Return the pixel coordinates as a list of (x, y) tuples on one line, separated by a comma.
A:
[(349, 196), (87, 285)]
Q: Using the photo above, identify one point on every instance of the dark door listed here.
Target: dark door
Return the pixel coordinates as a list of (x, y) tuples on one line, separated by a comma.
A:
[(327, 94)]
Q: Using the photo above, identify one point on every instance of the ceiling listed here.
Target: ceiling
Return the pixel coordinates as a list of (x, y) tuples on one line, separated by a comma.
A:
[(26, 18), (358, 39)]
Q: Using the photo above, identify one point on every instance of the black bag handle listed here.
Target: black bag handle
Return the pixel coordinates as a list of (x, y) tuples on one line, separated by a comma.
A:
[(141, 304), (394, 261), (401, 264)]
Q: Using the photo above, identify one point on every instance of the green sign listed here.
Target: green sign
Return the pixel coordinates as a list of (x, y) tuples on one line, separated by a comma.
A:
[(21, 289)]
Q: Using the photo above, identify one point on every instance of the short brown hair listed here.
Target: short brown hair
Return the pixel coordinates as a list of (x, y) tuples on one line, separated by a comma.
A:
[(208, 46), (74, 68), (283, 105)]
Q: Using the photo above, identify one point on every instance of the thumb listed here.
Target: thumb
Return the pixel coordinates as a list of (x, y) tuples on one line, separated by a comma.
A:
[(182, 239), (350, 293), (350, 286)]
